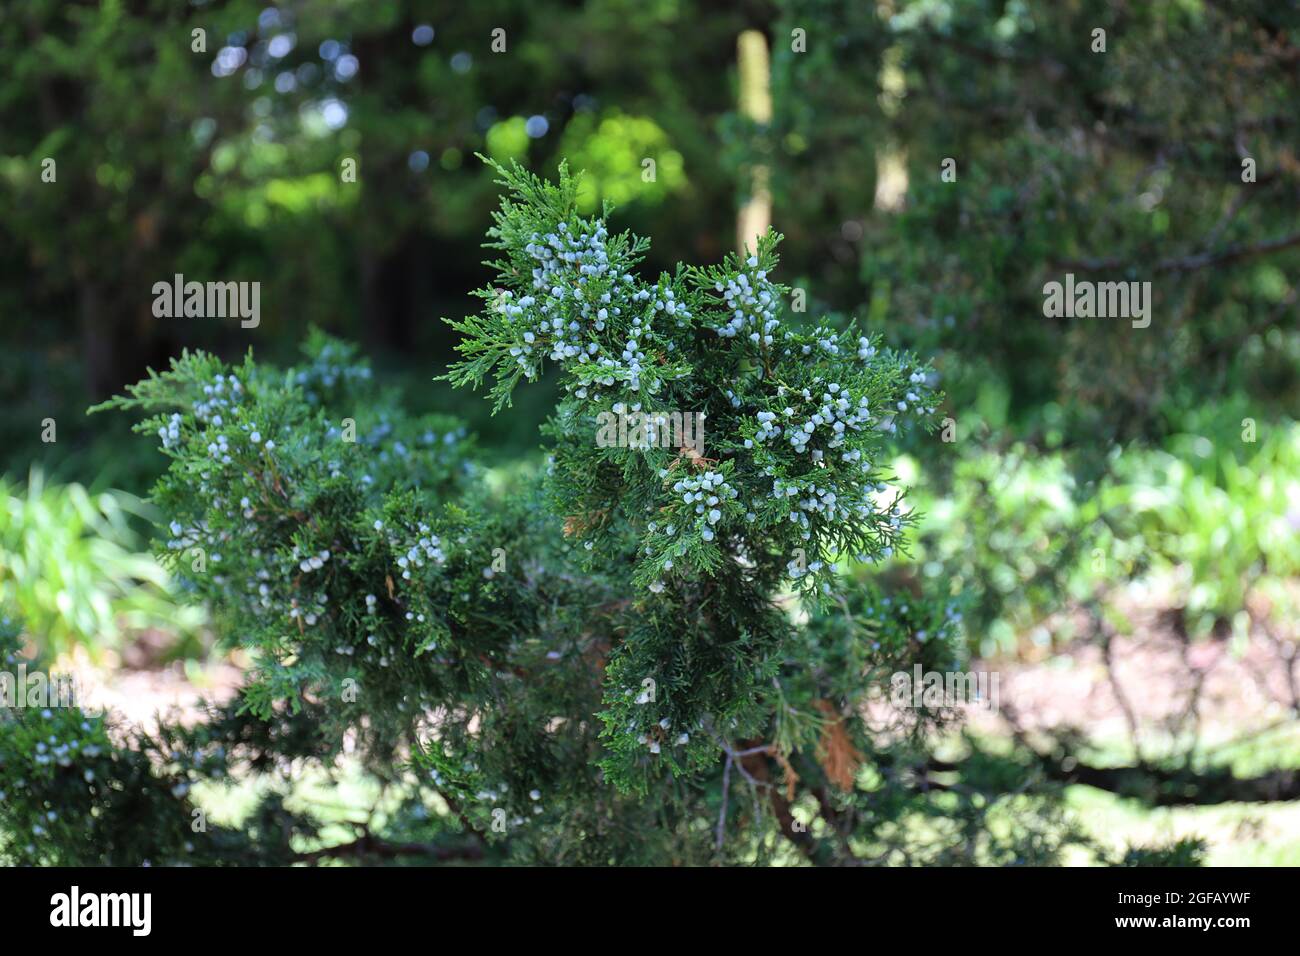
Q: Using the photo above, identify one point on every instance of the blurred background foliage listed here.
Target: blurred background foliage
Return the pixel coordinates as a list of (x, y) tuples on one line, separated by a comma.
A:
[(1087, 454), (1091, 479), (72, 568)]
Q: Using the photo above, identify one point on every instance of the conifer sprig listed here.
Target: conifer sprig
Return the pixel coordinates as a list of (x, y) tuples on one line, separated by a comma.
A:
[(463, 639)]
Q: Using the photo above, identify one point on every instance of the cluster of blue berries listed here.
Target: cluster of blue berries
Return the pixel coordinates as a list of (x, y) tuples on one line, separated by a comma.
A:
[(752, 301)]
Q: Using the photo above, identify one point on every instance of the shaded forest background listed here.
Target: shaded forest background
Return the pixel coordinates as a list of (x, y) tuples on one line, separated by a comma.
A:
[(1107, 487)]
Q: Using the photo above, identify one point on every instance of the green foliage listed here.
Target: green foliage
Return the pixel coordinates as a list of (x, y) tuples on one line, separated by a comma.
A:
[(220, 163), (72, 568), (515, 649), (71, 795), (612, 150), (1021, 537), (1223, 513), (288, 492), (795, 419), (1015, 537), (1188, 851), (390, 596), (1127, 164)]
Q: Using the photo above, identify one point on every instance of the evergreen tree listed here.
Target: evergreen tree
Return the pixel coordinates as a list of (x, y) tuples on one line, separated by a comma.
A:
[(664, 646)]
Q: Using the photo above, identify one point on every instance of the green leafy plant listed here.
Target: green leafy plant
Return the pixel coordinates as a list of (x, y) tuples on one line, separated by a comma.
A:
[(1019, 535), (1224, 513), (72, 566), (685, 593)]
